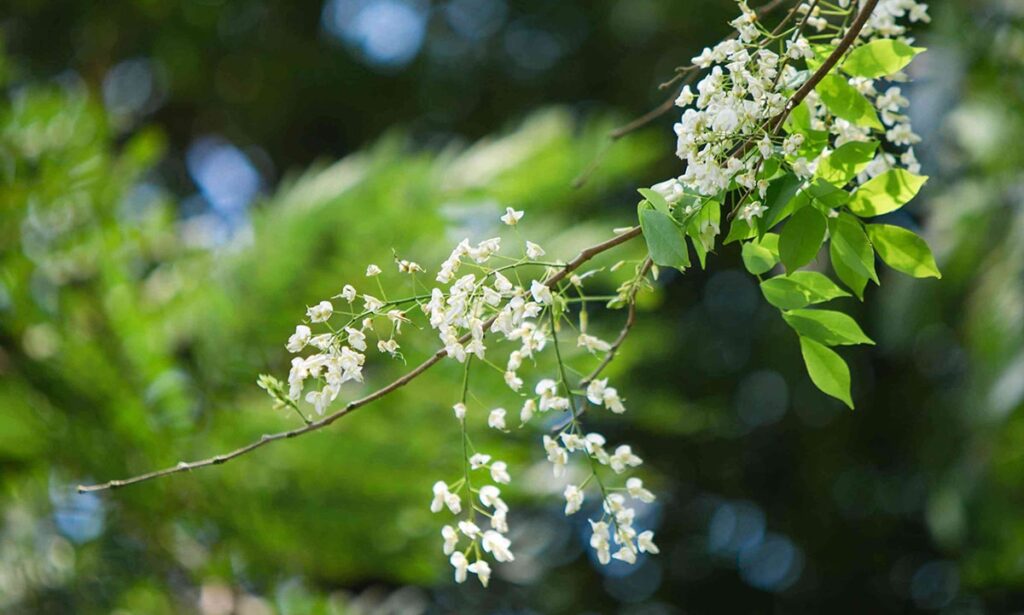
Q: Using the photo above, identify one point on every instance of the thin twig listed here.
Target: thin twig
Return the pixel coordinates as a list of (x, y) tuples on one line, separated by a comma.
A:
[(664, 107), (582, 257)]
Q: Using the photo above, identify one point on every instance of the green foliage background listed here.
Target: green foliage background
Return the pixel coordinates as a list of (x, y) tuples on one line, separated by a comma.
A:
[(125, 344)]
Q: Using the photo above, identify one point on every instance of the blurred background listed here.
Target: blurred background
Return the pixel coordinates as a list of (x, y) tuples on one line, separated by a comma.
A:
[(178, 179)]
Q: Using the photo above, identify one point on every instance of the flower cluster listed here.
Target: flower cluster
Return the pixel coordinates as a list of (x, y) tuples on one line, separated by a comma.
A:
[(484, 300), (729, 129)]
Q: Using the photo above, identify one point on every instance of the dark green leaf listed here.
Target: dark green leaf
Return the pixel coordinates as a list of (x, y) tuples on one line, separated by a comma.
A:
[(777, 199), (852, 245), (853, 280), (827, 327), (759, 256), (801, 238), (666, 240), (800, 289), (655, 199)]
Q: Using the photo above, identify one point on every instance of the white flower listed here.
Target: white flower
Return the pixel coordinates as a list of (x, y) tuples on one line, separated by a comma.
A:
[(623, 458), (513, 381), (491, 496), (496, 419), (557, 455), (592, 343), (752, 210), (461, 564), (573, 499), (356, 338), (511, 216), (685, 97), (626, 554), (646, 542), (595, 390), (541, 293), (451, 538), (299, 339), (635, 488), (529, 407), (499, 473), (460, 410), (372, 304), (388, 346), (408, 267), (320, 312), (348, 293), (482, 570), (372, 270), (442, 498), (599, 541), (478, 461), (498, 545), (470, 529), (533, 251)]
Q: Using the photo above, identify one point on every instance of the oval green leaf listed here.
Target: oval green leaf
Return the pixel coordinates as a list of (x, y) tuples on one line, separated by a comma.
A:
[(885, 193), (828, 371), (903, 250)]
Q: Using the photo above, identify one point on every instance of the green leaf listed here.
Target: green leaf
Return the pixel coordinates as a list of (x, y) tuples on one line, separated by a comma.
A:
[(739, 230), (777, 199), (827, 370), (666, 240), (844, 101), (846, 162), (852, 245), (800, 289), (853, 280), (801, 238), (885, 193), (703, 227), (879, 58), (903, 250), (828, 327), (655, 199), (759, 256), (827, 194)]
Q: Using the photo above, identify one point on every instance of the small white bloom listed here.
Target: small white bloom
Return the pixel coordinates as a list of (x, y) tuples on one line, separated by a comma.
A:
[(320, 312), (451, 538), (470, 529), (511, 217), (498, 545), (623, 458), (461, 564), (533, 251), (460, 410), (573, 499), (593, 344), (529, 407), (479, 460), (635, 487), (491, 496), (372, 270), (388, 346), (646, 542), (348, 293), (299, 339), (499, 473), (496, 419), (626, 554), (541, 293), (482, 570)]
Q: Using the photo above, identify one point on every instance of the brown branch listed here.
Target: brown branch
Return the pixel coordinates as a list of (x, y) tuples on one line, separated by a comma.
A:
[(798, 97), (353, 405)]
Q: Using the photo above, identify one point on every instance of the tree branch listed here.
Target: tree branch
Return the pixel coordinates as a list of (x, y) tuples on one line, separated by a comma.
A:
[(575, 263)]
